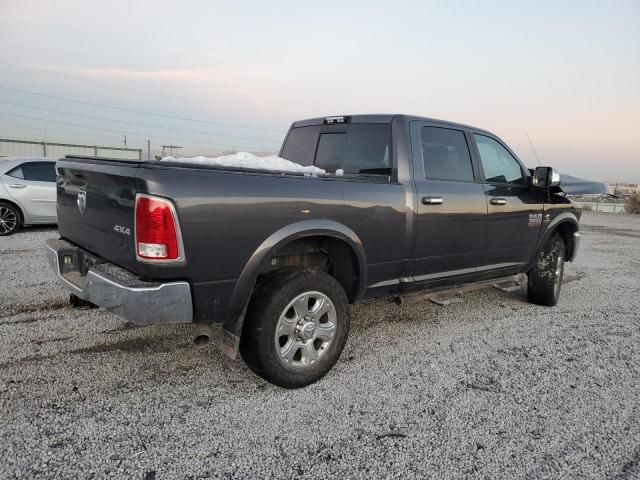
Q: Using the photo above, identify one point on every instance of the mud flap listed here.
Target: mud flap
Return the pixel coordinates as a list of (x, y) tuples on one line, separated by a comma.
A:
[(225, 341), (230, 344)]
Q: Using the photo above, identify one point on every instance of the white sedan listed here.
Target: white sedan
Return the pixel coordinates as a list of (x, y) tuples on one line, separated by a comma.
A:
[(27, 193)]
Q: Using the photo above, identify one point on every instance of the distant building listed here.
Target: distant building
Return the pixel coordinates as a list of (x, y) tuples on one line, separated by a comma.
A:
[(624, 189)]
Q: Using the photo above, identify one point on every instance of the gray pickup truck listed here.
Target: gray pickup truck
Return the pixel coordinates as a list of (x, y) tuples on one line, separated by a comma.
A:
[(276, 258)]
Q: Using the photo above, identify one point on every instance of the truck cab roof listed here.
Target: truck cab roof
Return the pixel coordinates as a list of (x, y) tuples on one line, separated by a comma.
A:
[(379, 118)]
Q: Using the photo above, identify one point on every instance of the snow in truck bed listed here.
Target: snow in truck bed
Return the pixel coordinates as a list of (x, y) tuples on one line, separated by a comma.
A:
[(249, 160)]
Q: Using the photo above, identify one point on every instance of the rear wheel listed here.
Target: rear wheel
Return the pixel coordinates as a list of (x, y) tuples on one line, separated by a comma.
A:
[(545, 278), (10, 219), (296, 327)]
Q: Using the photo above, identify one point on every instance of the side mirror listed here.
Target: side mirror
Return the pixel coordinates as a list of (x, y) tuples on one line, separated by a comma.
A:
[(545, 177)]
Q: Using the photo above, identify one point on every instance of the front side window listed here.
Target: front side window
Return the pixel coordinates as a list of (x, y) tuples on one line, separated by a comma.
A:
[(445, 154), (361, 149), (35, 171), (498, 164)]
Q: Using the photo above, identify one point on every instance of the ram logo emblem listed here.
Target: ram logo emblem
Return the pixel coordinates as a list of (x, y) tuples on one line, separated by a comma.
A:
[(82, 201)]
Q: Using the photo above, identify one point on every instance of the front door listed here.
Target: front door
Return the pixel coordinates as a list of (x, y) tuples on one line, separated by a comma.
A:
[(515, 208), (450, 228)]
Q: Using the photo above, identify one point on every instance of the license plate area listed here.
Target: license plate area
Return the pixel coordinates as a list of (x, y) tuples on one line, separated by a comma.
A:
[(74, 265)]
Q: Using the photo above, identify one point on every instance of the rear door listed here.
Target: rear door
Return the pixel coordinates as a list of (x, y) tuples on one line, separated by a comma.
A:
[(450, 230), (515, 209), (374, 204), (33, 185)]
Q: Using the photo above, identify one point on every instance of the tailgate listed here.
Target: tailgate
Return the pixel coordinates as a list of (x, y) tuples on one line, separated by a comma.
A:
[(96, 201)]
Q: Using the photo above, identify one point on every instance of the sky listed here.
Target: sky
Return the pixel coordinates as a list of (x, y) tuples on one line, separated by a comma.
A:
[(212, 75)]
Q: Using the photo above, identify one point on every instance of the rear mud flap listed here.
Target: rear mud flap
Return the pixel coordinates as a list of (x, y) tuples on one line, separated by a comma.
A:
[(230, 344), (227, 342)]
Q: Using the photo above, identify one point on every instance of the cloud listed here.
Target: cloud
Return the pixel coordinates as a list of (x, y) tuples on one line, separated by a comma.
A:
[(237, 82)]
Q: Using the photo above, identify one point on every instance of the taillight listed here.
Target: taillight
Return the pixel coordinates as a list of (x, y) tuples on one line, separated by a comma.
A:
[(157, 230)]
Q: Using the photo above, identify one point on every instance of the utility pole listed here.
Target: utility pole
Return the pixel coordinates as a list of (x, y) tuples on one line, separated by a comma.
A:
[(171, 148), (125, 141), (148, 149)]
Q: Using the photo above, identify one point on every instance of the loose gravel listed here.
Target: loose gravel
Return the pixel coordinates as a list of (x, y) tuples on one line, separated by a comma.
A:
[(490, 388)]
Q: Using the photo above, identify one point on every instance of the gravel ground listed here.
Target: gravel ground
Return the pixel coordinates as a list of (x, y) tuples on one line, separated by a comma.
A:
[(491, 388)]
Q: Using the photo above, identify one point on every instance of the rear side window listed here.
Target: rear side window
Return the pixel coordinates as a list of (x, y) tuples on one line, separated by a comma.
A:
[(361, 149), (498, 164), (300, 146), (35, 171), (16, 173), (445, 154)]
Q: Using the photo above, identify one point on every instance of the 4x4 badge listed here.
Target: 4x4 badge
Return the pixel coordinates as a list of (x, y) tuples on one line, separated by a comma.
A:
[(82, 201)]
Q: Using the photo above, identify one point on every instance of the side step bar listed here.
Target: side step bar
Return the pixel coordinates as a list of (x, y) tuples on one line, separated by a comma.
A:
[(456, 293)]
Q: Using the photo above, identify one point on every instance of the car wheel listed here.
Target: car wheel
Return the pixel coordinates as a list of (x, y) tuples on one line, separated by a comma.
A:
[(10, 219), (545, 278), (296, 326)]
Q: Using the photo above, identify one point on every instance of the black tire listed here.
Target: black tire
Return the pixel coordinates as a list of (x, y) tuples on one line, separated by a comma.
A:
[(10, 219), (258, 343), (545, 278)]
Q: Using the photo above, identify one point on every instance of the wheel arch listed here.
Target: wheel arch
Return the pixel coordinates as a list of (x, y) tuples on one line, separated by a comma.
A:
[(567, 230), (334, 233), (567, 225)]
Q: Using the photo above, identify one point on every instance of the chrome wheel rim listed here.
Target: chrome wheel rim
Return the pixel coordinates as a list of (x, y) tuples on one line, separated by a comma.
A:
[(8, 220), (305, 330), (557, 274)]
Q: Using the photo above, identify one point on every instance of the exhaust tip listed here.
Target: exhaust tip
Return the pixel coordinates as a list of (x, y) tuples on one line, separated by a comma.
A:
[(202, 335), (201, 340)]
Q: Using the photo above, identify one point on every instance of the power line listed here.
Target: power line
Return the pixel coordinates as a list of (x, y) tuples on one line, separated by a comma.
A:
[(67, 132), (122, 131), (197, 149), (61, 131), (191, 150), (142, 112), (136, 123), (114, 141), (162, 92)]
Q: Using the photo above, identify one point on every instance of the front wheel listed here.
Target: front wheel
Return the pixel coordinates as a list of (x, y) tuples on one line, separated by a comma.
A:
[(545, 278), (296, 326)]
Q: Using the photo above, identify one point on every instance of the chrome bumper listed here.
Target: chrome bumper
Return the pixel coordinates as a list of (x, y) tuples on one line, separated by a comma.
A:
[(118, 290), (576, 246)]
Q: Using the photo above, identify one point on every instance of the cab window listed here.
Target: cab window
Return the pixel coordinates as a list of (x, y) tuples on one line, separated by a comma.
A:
[(445, 155), (359, 149), (356, 149), (300, 146), (498, 164)]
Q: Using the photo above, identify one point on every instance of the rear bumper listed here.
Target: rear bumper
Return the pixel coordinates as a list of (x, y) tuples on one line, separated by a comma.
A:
[(116, 289)]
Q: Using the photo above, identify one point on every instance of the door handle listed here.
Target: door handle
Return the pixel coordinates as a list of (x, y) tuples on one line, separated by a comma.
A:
[(498, 201), (432, 201), (17, 185)]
